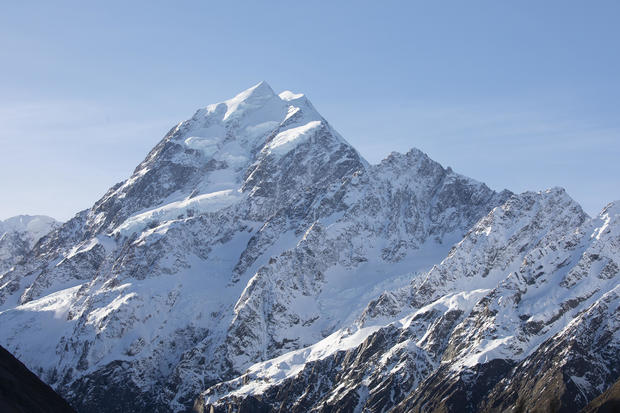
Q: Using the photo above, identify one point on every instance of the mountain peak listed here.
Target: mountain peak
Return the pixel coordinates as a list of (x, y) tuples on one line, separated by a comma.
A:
[(261, 89), (257, 95), (224, 149)]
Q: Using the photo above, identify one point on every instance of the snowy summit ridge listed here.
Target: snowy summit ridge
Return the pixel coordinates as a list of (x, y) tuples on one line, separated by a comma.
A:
[(254, 260)]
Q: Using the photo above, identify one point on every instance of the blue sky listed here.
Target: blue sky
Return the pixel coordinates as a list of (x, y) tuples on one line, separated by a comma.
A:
[(521, 95)]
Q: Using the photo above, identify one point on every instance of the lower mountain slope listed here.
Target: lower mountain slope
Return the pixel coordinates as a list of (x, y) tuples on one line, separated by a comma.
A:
[(533, 287)]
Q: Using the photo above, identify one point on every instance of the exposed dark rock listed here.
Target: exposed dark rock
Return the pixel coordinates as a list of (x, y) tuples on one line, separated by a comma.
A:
[(21, 391)]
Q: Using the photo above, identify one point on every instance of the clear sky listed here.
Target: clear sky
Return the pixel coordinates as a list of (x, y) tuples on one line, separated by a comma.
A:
[(521, 95)]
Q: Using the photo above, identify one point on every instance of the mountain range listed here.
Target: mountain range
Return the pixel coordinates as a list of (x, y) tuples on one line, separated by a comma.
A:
[(255, 261)]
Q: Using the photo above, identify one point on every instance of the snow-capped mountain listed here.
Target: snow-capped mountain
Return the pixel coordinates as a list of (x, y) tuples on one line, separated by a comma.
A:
[(19, 234), (255, 259)]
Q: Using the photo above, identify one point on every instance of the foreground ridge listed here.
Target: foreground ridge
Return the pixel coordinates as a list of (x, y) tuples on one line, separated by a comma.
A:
[(22, 391)]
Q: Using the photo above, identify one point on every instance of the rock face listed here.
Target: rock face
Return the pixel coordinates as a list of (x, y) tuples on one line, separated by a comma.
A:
[(255, 261), (22, 392), (19, 234), (523, 312)]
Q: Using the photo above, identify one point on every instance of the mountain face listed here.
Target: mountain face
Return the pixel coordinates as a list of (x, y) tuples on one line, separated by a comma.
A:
[(19, 234), (531, 288), (254, 260)]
